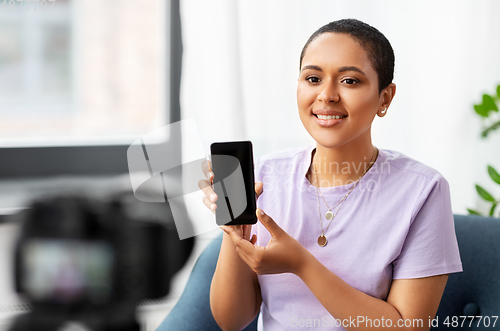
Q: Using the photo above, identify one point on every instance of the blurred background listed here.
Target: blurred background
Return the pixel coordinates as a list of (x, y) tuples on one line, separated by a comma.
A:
[(80, 80), (82, 72)]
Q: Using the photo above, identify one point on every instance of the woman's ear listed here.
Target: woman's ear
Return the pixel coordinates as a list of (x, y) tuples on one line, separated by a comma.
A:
[(386, 96)]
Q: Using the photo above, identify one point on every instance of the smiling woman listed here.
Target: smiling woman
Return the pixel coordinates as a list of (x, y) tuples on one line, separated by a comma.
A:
[(337, 242)]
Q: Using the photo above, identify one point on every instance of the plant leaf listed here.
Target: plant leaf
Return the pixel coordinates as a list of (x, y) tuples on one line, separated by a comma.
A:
[(494, 174), (492, 210), (473, 212), (498, 91), (484, 194), (481, 110), (489, 103)]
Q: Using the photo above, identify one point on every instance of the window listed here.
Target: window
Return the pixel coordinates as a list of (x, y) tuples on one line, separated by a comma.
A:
[(84, 77), (35, 68)]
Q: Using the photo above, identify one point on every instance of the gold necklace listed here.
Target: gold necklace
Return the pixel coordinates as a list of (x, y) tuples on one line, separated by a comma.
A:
[(329, 215)]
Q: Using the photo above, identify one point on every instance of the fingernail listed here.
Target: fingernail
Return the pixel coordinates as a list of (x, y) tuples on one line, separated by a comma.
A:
[(223, 228), (212, 197), (261, 212), (210, 175), (212, 206)]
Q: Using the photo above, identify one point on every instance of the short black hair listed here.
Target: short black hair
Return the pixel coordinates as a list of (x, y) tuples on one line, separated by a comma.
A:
[(376, 45)]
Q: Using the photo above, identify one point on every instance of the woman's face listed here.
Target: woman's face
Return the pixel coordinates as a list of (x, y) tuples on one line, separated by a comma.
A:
[(337, 93)]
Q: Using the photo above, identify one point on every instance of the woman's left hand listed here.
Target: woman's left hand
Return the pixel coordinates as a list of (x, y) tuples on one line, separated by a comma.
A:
[(282, 254)]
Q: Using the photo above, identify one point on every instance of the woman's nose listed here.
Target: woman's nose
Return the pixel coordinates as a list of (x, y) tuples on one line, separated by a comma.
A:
[(329, 93)]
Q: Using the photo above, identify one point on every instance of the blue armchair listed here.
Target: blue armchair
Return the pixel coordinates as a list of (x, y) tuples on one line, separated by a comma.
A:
[(473, 292)]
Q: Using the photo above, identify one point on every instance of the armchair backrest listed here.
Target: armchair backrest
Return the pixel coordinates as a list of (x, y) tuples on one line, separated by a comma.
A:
[(476, 290)]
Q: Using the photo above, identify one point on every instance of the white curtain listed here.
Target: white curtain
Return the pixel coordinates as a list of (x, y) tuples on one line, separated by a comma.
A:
[(241, 63)]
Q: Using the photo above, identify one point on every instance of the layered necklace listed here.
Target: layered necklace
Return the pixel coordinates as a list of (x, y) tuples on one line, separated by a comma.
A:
[(329, 215)]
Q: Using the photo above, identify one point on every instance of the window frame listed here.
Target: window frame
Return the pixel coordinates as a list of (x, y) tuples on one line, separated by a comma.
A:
[(22, 162)]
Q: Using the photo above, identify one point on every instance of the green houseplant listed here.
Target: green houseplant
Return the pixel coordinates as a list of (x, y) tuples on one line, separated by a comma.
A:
[(488, 110), (486, 195)]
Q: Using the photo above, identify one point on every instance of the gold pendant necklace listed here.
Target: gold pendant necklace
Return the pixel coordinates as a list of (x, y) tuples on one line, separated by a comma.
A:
[(322, 241), (329, 215)]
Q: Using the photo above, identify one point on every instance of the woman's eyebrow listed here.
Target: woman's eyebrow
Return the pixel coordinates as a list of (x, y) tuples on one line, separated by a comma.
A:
[(312, 67), (341, 69), (351, 68)]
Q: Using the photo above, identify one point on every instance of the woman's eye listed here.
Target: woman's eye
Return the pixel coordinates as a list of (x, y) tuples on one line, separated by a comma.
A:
[(350, 81), (313, 80)]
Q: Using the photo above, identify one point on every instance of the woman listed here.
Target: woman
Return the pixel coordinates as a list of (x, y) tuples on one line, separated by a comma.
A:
[(349, 236)]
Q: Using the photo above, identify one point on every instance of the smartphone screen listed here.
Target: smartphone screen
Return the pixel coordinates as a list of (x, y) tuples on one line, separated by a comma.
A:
[(232, 165)]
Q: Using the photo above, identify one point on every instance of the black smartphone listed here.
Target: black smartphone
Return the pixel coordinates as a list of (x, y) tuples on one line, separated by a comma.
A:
[(234, 182)]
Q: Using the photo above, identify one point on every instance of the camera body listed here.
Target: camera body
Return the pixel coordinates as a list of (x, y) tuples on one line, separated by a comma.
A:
[(84, 260)]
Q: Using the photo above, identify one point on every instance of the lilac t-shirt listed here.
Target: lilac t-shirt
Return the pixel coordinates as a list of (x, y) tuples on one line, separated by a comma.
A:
[(397, 223)]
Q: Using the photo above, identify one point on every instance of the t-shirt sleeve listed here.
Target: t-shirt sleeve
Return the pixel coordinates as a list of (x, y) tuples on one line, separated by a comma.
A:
[(430, 247)]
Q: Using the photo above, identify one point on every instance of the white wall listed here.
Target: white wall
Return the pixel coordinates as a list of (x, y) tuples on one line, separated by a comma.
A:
[(241, 67)]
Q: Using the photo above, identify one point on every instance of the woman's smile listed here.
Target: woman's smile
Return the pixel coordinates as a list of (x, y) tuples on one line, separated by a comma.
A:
[(329, 120)]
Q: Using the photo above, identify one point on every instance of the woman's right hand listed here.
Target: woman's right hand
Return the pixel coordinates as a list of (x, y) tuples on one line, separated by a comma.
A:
[(210, 197)]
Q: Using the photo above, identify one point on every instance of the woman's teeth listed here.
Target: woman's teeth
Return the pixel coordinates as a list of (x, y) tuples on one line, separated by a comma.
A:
[(324, 117)]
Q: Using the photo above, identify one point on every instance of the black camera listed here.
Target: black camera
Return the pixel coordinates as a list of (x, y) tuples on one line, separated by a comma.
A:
[(83, 260)]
